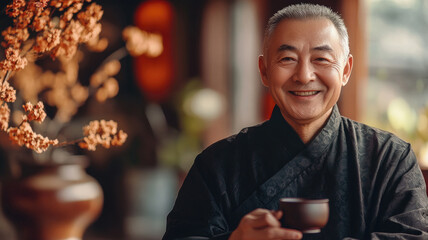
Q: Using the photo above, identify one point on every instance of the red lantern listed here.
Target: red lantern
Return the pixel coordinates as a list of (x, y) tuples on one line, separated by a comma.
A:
[(154, 75)]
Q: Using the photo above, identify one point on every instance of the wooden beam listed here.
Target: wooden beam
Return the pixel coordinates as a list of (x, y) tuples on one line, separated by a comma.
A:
[(353, 96)]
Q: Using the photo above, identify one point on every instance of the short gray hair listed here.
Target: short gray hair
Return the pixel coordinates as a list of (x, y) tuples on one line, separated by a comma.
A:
[(308, 11)]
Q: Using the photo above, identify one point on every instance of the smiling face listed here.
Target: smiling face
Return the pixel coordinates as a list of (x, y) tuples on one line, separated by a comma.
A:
[(304, 68)]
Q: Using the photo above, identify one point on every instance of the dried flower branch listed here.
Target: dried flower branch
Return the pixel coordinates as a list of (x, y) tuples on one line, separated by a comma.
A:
[(103, 133), (34, 113), (140, 42), (56, 35), (55, 28), (7, 92), (13, 60), (24, 136), (4, 117)]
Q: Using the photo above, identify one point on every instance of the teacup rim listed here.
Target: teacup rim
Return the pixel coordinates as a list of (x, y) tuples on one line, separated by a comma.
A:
[(303, 200)]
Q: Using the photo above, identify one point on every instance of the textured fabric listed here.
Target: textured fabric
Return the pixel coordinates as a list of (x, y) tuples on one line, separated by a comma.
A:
[(371, 177)]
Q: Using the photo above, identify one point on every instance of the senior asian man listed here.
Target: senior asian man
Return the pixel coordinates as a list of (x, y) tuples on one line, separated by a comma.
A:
[(306, 149)]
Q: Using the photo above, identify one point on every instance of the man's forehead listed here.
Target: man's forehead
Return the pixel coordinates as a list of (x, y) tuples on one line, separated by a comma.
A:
[(319, 32)]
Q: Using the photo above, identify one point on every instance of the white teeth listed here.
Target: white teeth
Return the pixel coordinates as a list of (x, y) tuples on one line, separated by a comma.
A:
[(305, 93)]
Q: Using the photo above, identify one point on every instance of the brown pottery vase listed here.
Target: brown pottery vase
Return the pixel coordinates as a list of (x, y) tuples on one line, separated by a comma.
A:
[(52, 202)]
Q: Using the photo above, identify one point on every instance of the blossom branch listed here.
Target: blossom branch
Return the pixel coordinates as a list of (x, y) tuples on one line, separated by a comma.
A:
[(56, 28), (104, 133), (6, 76)]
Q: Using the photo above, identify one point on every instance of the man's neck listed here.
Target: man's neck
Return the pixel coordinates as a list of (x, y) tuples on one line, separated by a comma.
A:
[(309, 129)]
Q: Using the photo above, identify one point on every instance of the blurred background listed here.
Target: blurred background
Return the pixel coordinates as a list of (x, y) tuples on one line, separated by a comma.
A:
[(205, 86)]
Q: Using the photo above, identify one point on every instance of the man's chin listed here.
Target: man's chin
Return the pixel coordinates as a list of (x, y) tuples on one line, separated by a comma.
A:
[(306, 115)]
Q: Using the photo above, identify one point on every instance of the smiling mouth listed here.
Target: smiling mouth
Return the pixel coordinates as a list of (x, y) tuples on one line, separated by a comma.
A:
[(304, 93)]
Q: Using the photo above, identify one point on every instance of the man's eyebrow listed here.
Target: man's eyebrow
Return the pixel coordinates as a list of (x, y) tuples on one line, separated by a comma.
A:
[(323, 48), (286, 47)]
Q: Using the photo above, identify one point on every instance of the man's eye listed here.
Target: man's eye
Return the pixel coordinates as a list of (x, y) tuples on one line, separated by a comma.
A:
[(286, 59), (321, 59)]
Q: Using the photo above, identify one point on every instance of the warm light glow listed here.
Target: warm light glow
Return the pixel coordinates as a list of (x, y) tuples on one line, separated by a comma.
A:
[(206, 104), (423, 123), (423, 157), (401, 116)]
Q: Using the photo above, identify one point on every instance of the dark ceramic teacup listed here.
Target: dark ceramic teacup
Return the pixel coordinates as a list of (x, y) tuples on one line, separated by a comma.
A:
[(306, 215)]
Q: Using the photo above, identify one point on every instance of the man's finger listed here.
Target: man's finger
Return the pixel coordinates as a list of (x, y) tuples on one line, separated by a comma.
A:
[(292, 234), (261, 219)]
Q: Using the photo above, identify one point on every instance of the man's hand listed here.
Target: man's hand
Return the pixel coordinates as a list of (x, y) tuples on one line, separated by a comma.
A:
[(263, 224)]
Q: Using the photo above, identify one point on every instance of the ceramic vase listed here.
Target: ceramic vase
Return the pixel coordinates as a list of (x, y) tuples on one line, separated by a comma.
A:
[(52, 201)]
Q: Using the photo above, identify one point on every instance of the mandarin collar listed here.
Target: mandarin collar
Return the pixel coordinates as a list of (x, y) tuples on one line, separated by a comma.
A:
[(326, 136), (288, 137)]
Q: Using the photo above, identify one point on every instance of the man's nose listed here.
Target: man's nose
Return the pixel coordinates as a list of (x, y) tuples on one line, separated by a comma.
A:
[(304, 72)]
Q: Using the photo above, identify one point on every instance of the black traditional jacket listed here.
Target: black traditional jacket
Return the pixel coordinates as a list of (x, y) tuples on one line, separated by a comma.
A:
[(371, 177)]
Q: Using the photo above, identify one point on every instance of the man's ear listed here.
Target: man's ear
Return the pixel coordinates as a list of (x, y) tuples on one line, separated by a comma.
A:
[(347, 70), (262, 70)]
